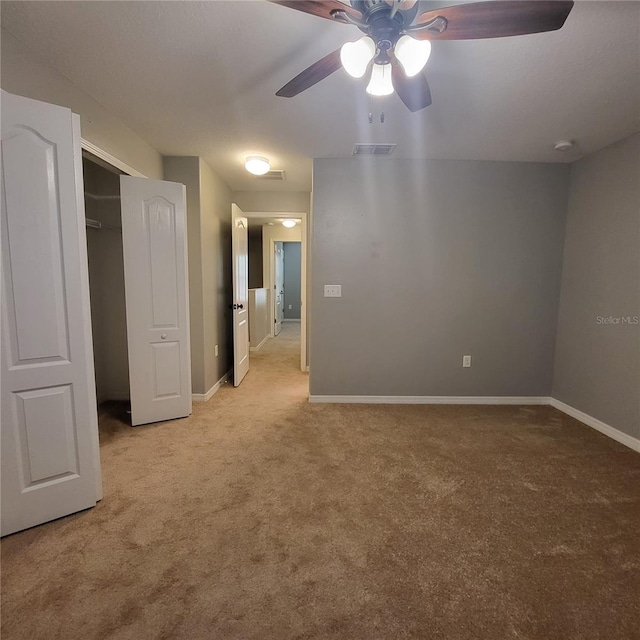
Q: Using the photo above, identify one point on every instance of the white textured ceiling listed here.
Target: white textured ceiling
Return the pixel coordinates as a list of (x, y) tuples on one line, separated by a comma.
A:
[(199, 78)]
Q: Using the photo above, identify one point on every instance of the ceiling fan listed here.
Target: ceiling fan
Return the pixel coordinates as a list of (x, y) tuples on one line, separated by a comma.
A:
[(397, 38)]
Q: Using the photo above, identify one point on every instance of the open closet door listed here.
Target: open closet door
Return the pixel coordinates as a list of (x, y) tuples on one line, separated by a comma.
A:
[(154, 237), (240, 259), (50, 455)]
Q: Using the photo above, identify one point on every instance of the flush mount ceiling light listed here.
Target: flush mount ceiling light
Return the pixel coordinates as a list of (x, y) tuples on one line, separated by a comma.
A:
[(289, 223), (563, 145), (258, 165), (397, 33)]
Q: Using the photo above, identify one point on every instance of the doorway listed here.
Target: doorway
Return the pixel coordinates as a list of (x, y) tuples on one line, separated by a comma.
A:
[(106, 280), (292, 281), (270, 237)]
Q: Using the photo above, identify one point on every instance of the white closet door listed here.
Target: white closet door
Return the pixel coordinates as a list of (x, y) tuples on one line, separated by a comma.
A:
[(154, 236), (240, 271), (50, 455)]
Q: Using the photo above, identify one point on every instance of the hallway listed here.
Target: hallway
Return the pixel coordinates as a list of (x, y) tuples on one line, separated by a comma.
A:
[(262, 517)]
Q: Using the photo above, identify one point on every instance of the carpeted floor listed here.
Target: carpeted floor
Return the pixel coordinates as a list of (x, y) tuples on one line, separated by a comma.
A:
[(262, 517)]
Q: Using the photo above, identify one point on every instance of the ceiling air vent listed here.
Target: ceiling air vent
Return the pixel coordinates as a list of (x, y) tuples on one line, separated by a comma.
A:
[(373, 149), (274, 174)]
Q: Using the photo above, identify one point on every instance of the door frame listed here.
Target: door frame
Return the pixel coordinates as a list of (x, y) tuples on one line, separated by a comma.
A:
[(109, 159), (268, 274)]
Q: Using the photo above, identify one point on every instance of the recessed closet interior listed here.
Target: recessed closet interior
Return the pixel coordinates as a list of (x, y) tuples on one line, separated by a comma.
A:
[(106, 279)]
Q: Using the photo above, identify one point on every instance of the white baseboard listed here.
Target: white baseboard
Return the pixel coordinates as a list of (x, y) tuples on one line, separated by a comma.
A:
[(537, 400), (261, 344), (598, 425), (203, 397)]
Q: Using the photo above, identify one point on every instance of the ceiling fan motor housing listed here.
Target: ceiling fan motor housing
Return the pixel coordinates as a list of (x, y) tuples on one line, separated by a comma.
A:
[(384, 29)]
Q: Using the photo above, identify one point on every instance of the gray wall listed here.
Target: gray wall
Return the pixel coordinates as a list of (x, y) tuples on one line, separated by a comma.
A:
[(185, 170), (597, 364), (106, 282), (209, 246), (215, 220), (255, 258), (273, 201), (24, 74), (292, 265), (437, 259)]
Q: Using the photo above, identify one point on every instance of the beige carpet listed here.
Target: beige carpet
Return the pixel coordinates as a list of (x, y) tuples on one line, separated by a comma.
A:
[(264, 517)]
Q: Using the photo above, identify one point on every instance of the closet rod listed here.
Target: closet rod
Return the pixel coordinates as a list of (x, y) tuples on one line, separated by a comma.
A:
[(96, 224)]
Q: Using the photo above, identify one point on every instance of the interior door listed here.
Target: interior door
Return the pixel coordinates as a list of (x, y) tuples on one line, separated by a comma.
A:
[(240, 306), (278, 286), (49, 433), (154, 238)]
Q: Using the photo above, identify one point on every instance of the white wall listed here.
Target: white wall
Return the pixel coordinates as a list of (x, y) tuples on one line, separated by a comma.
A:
[(25, 74), (258, 316)]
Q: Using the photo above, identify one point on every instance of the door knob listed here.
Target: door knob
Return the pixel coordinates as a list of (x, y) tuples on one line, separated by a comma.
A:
[(164, 336)]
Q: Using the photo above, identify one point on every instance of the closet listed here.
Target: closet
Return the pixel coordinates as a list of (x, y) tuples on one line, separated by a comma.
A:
[(106, 279)]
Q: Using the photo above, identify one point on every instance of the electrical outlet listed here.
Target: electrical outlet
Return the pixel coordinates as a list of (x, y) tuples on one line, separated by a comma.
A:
[(215, 351), (333, 291), (290, 307), (466, 361)]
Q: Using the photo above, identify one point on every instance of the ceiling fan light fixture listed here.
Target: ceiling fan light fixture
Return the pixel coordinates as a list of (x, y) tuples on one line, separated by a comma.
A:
[(257, 165), (412, 54), (356, 56), (380, 83)]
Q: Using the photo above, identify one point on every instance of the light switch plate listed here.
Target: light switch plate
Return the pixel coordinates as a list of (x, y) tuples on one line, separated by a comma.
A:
[(333, 291)]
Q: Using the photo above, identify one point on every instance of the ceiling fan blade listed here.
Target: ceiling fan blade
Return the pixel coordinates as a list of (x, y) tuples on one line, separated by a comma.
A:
[(321, 8), (495, 19), (312, 75), (414, 91)]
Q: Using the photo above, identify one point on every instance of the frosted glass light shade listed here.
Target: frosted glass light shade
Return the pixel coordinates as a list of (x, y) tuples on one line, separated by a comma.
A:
[(258, 165), (412, 54), (380, 83), (289, 224), (356, 56)]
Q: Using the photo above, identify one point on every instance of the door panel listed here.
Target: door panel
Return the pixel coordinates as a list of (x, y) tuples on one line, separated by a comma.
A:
[(46, 431), (160, 220), (166, 358), (240, 260), (50, 458), (35, 231), (156, 289)]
